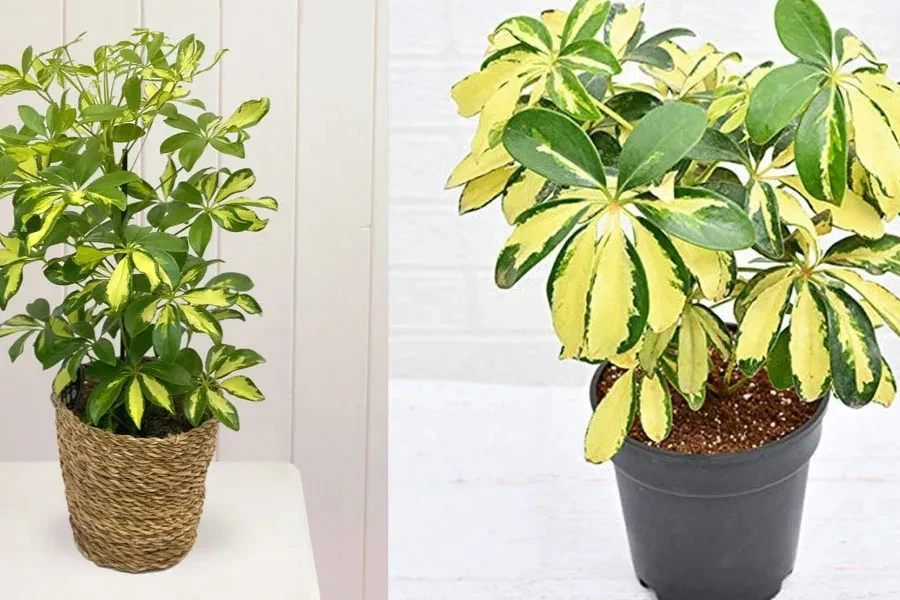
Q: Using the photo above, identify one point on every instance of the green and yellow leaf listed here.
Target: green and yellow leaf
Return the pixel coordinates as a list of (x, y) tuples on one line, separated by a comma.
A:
[(496, 112), (622, 27), (611, 421), (474, 166), (887, 387), (157, 393), (242, 387), (194, 406), (585, 20), (473, 93), (821, 147), (118, 290), (555, 147), (716, 330), (715, 271), (879, 297), (762, 207), (804, 30), (668, 281), (876, 123), (809, 349), (876, 256), (521, 194), (856, 362), (200, 320), (567, 290), (529, 31), (479, 193), (539, 230), (568, 93), (618, 301), (653, 347), (223, 410), (135, 402), (656, 407), (854, 214), (693, 360), (761, 324), (701, 217)]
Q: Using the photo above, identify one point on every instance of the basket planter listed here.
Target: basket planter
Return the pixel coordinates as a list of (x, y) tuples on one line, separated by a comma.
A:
[(134, 503), (715, 526)]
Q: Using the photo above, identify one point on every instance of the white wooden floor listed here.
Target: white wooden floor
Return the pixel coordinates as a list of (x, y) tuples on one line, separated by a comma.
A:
[(491, 500)]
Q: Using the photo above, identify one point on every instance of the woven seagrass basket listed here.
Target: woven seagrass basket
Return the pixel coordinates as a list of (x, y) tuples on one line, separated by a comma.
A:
[(134, 503)]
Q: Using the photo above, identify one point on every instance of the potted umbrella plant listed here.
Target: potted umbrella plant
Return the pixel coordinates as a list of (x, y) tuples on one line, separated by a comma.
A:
[(715, 239), (137, 408)]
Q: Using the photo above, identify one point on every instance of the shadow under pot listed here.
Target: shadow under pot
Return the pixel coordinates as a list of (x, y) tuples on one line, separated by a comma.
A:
[(715, 527), (134, 503)]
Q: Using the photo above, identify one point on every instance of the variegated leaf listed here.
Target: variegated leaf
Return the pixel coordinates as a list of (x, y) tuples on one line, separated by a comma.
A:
[(522, 193), (876, 256), (715, 271), (568, 93), (821, 147), (856, 362), (887, 387), (618, 301), (701, 217), (655, 406), (555, 147), (809, 350), (882, 300), (854, 214), (539, 230), (585, 20), (590, 56), (760, 325), (612, 420), (716, 330), (529, 31), (668, 280), (653, 347), (474, 166), (876, 126), (693, 360), (567, 290), (762, 206), (479, 193)]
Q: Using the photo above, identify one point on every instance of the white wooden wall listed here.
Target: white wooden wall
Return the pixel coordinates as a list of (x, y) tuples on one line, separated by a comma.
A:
[(320, 266)]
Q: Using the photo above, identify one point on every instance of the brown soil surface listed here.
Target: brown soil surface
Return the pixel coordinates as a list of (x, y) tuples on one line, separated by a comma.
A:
[(756, 415)]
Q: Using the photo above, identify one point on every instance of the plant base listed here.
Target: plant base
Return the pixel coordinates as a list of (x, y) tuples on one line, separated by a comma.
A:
[(134, 503), (711, 527)]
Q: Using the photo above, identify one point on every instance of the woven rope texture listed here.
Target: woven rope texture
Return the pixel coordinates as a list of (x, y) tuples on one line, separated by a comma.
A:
[(134, 503)]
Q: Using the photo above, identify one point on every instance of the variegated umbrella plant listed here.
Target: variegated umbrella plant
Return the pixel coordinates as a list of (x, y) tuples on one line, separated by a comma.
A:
[(648, 188), (129, 254)]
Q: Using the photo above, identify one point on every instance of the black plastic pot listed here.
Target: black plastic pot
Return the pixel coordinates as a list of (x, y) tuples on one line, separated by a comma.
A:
[(718, 527)]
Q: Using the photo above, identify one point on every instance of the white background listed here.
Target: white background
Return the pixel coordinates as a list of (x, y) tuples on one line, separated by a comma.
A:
[(490, 496), (319, 267)]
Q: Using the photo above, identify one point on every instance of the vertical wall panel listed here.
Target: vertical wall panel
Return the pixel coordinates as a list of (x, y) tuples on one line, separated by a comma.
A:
[(376, 549), (263, 51), (27, 432), (334, 177)]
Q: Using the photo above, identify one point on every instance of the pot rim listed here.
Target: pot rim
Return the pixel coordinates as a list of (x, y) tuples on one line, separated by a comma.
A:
[(717, 459), (194, 431)]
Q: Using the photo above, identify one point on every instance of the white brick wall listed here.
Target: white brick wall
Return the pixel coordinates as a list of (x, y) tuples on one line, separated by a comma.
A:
[(448, 321)]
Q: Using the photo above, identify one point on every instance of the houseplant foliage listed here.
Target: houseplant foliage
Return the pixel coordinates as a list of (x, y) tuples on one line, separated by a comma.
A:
[(130, 251), (644, 190)]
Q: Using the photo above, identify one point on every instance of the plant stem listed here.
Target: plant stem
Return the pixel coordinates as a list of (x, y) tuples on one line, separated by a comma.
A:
[(614, 116), (123, 335)]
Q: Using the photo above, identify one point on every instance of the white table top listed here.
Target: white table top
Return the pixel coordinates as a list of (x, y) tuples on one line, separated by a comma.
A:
[(492, 500), (253, 542)]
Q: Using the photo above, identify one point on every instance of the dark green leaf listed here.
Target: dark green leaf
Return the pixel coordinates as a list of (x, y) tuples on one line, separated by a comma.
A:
[(554, 146), (778, 364), (821, 147), (200, 234), (105, 351), (172, 373), (779, 97), (39, 309), (658, 142), (804, 30), (167, 341)]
